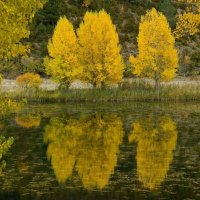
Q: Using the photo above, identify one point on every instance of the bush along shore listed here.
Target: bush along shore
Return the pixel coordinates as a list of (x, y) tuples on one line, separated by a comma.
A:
[(138, 92)]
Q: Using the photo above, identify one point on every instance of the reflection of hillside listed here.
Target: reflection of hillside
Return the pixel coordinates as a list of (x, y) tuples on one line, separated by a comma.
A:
[(88, 145), (28, 121), (156, 140)]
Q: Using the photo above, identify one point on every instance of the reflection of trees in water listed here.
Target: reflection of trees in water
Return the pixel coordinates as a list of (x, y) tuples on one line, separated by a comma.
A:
[(5, 145), (7, 106), (156, 140), (62, 146), (28, 121), (88, 145)]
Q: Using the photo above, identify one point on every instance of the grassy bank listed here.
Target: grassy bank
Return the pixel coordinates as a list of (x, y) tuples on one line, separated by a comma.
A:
[(137, 93)]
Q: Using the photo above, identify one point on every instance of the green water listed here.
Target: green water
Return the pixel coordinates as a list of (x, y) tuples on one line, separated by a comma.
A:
[(102, 152)]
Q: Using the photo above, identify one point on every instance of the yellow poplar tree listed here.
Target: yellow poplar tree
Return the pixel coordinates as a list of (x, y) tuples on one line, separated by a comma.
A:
[(99, 49), (16, 15), (62, 64), (157, 57), (189, 22)]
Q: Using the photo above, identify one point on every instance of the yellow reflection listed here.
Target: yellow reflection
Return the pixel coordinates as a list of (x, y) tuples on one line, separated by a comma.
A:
[(88, 145), (7, 106), (156, 140), (5, 145), (28, 121), (63, 146)]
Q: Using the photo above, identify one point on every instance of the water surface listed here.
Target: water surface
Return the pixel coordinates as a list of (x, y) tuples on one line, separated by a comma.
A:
[(102, 152)]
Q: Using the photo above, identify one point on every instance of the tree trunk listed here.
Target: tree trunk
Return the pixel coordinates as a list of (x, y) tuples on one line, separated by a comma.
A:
[(64, 85), (94, 85), (103, 85), (157, 84)]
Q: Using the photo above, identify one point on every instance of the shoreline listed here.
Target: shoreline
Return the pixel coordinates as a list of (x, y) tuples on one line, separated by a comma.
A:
[(49, 85), (131, 90), (168, 94)]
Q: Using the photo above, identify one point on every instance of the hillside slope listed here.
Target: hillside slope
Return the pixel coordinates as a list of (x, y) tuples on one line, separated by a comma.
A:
[(126, 16)]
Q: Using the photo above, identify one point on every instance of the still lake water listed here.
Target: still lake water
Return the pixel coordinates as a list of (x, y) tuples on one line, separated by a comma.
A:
[(102, 152)]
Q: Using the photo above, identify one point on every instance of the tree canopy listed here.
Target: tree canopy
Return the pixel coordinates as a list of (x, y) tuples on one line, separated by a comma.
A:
[(16, 15), (157, 56)]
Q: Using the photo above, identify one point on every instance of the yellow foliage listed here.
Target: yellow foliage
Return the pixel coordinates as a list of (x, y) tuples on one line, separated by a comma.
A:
[(5, 145), (8, 106), (157, 58), (29, 80), (28, 121), (88, 145), (14, 22), (189, 22), (63, 63), (156, 140), (99, 49)]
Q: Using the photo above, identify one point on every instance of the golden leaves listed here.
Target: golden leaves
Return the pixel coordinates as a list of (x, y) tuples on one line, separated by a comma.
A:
[(157, 57), (29, 80), (15, 18), (94, 56), (63, 63), (188, 24), (99, 49)]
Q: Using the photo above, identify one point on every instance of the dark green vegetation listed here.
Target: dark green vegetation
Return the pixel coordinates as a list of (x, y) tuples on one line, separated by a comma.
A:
[(171, 155), (125, 14)]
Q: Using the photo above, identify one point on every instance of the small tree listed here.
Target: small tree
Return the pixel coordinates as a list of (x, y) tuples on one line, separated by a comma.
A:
[(157, 58), (100, 50), (63, 51), (29, 81)]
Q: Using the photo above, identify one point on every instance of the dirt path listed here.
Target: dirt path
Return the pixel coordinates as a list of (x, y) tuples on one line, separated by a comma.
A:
[(47, 84)]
